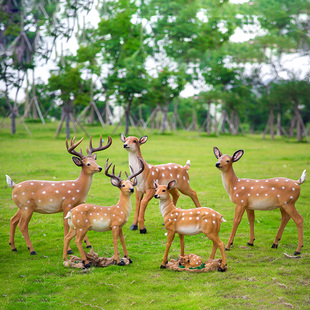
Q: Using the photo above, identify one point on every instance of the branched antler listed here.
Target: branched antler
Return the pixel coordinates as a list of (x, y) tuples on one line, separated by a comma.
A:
[(100, 147), (72, 147)]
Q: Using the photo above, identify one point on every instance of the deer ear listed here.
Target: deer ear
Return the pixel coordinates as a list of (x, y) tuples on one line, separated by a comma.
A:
[(217, 152), (143, 139), (77, 161), (237, 155), (171, 184), (134, 182), (115, 182), (123, 137), (95, 156), (155, 184)]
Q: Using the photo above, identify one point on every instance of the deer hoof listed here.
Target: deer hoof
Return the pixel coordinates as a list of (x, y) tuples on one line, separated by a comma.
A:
[(250, 244), (221, 269), (33, 253), (86, 266), (296, 253), (143, 231), (88, 247), (227, 249), (130, 261), (133, 227), (121, 263), (69, 252), (162, 267), (14, 250), (274, 246)]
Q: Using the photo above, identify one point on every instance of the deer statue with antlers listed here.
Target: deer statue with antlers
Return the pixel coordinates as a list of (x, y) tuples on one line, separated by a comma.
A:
[(49, 197), (188, 222), (264, 194), (87, 217), (161, 174)]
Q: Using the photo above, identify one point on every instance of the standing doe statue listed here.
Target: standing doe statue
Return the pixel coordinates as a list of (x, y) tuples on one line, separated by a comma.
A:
[(188, 222), (162, 174), (87, 217), (264, 194), (49, 197)]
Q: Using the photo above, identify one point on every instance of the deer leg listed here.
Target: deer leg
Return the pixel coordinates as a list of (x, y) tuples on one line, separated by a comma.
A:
[(148, 196), (191, 193), (139, 196), (23, 226), (299, 221), (122, 239), (182, 244), (66, 231), (284, 220), (170, 237), (175, 195), (81, 232), (116, 233), (67, 239), (251, 218), (13, 223), (239, 210), (217, 243)]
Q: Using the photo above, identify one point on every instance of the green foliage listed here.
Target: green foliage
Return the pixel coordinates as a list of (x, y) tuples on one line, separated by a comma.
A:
[(258, 277)]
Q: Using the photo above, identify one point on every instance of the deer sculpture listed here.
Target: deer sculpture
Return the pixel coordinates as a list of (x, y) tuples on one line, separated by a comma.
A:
[(161, 174), (264, 194), (87, 217), (188, 222), (49, 197)]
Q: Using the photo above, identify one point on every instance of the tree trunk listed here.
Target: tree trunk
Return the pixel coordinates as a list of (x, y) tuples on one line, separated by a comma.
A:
[(208, 119), (164, 119), (127, 113)]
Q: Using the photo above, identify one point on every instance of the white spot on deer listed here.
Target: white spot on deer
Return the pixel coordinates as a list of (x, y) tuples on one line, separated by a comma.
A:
[(278, 196), (171, 174), (169, 220), (73, 184), (63, 198), (69, 205), (257, 194), (63, 184), (15, 195), (39, 200), (101, 218), (77, 190), (175, 220), (26, 208), (163, 174), (242, 187), (69, 192), (169, 168), (171, 214), (256, 181), (81, 212), (191, 212), (266, 195), (94, 208), (81, 229), (183, 213), (198, 212), (163, 168), (252, 187), (42, 184), (206, 221), (248, 181), (213, 222), (78, 221), (178, 176), (117, 206), (153, 173), (105, 214), (190, 218), (86, 221), (73, 216), (156, 169), (262, 187), (73, 198), (57, 191), (283, 187), (197, 218), (113, 214), (293, 188), (291, 197), (119, 219), (285, 202), (51, 199), (32, 193), (182, 218), (206, 213), (23, 193), (286, 180), (277, 180), (109, 209), (98, 214), (213, 214), (241, 200), (239, 180), (237, 195), (175, 167), (31, 183), (249, 195), (44, 192)]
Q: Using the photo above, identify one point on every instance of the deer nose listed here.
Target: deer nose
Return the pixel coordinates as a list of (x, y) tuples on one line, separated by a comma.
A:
[(132, 190), (155, 196), (100, 168), (217, 165), (125, 145)]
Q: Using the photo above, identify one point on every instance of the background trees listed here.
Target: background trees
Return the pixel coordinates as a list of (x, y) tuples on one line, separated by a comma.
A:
[(135, 66)]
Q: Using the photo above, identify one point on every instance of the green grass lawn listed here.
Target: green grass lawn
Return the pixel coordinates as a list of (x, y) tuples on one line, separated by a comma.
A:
[(258, 277)]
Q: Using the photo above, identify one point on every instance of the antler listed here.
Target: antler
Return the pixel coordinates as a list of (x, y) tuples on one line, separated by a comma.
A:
[(107, 167), (137, 173), (100, 147), (72, 147)]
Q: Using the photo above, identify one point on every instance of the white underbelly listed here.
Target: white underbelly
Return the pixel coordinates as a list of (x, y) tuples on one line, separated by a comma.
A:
[(189, 230), (48, 208), (263, 205), (100, 226)]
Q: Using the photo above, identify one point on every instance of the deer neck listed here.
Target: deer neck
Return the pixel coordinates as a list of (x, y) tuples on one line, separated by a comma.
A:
[(229, 179), (84, 181), (135, 164), (166, 206), (125, 204)]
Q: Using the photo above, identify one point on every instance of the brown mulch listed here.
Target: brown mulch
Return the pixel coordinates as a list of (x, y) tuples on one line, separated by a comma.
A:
[(96, 261)]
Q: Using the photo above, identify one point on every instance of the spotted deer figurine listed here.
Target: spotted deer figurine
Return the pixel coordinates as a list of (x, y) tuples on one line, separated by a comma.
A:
[(87, 217), (162, 174), (264, 194), (48, 197), (188, 222)]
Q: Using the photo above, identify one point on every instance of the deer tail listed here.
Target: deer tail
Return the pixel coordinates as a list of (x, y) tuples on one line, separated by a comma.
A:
[(68, 216), (10, 182), (302, 179), (187, 165), (222, 219)]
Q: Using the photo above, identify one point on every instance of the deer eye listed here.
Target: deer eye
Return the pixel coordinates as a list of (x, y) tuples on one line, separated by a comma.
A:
[(227, 161), (88, 164), (134, 141), (123, 185), (164, 190)]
